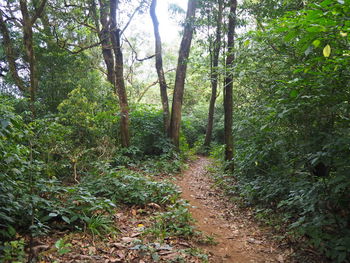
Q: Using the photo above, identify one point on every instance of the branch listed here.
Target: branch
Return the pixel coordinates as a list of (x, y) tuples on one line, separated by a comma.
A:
[(81, 49), (134, 51), (269, 43), (132, 16), (151, 85), (10, 54), (38, 11)]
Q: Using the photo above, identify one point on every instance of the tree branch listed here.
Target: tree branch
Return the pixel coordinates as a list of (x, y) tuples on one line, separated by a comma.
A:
[(10, 54), (134, 51), (132, 16), (38, 11)]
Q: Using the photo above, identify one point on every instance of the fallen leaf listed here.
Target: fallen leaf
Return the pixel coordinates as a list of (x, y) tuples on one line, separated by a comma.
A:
[(128, 239), (154, 205)]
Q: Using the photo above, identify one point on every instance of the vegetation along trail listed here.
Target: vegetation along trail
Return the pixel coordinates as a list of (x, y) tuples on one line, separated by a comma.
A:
[(236, 237)]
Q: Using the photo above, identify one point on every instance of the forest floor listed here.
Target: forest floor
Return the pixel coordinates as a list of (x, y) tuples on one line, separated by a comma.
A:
[(237, 237), (229, 232)]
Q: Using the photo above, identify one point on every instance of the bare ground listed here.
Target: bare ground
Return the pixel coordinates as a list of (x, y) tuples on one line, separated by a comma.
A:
[(238, 237)]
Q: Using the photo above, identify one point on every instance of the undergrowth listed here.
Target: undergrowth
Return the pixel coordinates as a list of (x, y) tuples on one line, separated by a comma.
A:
[(299, 209)]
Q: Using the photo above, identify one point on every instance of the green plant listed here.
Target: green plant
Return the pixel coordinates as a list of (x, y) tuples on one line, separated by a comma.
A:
[(13, 251), (176, 221), (130, 188), (62, 247), (99, 225)]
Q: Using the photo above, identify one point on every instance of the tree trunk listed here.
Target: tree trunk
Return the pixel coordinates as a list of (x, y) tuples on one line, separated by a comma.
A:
[(228, 96), (214, 75), (181, 74), (119, 75), (159, 67), (29, 48), (104, 37)]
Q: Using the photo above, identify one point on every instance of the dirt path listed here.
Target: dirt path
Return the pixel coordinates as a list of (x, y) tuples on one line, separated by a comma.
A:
[(239, 239)]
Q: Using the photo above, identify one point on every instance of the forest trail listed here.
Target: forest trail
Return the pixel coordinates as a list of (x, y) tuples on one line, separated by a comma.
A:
[(237, 237)]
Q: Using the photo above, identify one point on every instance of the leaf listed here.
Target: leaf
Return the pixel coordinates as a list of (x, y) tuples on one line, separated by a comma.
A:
[(66, 219), (293, 94), (343, 34), (53, 214), (327, 51), (316, 43), (341, 2)]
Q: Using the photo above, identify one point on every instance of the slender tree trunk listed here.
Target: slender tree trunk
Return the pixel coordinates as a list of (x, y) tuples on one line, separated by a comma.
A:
[(104, 37), (159, 67), (181, 74), (214, 75), (228, 96), (119, 75), (27, 23)]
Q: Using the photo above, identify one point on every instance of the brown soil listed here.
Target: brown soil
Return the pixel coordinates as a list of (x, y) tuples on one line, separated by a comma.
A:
[(237, 236)]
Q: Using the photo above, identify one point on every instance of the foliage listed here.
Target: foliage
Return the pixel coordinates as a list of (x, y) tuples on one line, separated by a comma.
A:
[(62, 247), (176, 221), (130, 188), (147, 130), (291, 124), (13, 251)]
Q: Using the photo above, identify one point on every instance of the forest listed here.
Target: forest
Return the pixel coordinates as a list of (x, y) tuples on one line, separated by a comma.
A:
[(164, 131)]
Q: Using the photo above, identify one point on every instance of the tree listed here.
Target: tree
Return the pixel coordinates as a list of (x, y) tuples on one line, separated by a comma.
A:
[(184, 52), (115, 34), (214, 74), (228, 94), (26, 24), (159, 66)]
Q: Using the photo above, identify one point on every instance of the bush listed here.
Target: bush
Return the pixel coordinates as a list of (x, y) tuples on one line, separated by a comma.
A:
[(130, 188)]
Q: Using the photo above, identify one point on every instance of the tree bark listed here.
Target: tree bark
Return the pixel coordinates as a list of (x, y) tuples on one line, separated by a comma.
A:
[(181, 74), (159, 67), (214, 75), (119, 75), (104, 37), (27, 28), (29, 50), (228, 93)]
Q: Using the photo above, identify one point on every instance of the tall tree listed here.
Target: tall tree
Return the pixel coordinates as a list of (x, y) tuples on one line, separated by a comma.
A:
[(228, 96), (27, 22), (214, 51), (159, 66), (109, 35), (115, 33), (184, 52), (105, 39)]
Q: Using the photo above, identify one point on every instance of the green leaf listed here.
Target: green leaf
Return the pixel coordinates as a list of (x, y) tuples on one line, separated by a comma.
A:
[(293, 93), (53, 214), (327, 51), (66, 219), (316, 43)]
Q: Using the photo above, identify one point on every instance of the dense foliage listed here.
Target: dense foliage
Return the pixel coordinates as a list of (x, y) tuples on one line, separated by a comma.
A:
[(64, 164), (292, 122)]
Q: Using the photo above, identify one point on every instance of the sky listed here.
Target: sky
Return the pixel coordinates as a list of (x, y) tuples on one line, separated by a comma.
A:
[(168, 27)]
